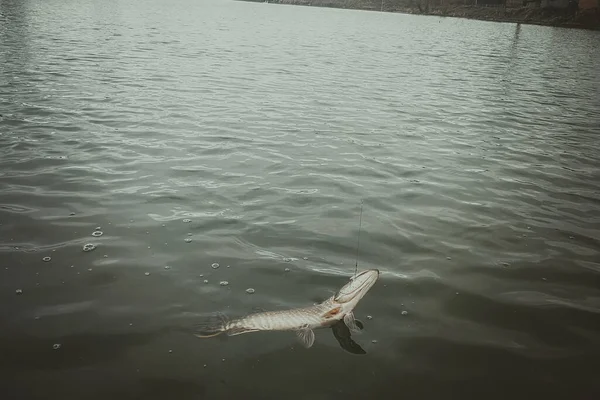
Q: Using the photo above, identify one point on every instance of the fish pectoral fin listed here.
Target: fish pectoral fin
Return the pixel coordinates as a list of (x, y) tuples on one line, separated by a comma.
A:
[(351, 322), (306, 337)]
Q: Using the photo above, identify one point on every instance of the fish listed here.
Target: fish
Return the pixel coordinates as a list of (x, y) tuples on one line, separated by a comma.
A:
[(338, 308)]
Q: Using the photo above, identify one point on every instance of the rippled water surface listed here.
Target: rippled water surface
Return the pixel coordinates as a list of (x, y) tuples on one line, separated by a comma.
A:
[(197, 132)]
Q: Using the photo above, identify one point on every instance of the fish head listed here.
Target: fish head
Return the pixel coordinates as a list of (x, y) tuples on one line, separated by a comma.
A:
[(351, 293)]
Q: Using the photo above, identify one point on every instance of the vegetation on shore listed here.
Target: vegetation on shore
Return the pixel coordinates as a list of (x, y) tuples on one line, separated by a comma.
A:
[(568, 18)]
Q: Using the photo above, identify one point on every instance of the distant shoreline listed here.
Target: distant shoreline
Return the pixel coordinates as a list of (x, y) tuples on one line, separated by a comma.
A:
[(584, 19)]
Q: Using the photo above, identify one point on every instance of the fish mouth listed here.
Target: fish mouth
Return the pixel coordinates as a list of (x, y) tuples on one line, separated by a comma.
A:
[(358, 286)]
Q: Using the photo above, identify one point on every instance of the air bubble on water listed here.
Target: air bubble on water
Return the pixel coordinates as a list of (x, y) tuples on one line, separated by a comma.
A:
[(404, 313), (448, 258), (97, 233), (46, 259), (204, 365), (206, 281), (89, 269), (305, 258), (187, 220), (56, 346), (287, 259), (287, 270), (187, 240), (369, 317), (98, 228), (223, 360), (223, 283), (374, 341), (105, 256), (201, 275), (167, 267), (147, 273), (19, 291), (163, 225), (571, 237), (170, 351), (88, 247), (249, 290), (215, 265), (229, 266)]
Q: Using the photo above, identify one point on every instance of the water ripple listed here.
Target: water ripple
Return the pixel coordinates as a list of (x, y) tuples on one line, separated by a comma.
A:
[(475, 156)]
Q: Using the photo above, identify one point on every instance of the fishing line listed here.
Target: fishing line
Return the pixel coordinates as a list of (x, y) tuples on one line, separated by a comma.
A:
[(358, 238)]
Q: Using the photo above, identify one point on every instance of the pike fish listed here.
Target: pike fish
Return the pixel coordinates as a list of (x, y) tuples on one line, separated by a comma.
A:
[(336, 309)]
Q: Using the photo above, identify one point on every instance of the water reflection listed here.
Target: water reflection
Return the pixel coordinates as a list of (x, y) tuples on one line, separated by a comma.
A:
[(344, 337)]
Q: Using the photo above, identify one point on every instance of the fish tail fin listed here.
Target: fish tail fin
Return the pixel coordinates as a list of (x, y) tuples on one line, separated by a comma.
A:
[(210, 326)]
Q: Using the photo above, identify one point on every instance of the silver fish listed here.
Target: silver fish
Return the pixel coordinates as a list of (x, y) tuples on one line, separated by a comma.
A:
[(300, 320)]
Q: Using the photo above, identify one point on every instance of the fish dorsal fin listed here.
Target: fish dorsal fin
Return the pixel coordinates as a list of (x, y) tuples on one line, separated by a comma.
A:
[(331, 313), (351, 322), (306, 337)]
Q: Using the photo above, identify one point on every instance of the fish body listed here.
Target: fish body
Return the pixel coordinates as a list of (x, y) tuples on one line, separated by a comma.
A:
[(301, 320), (286, 320)]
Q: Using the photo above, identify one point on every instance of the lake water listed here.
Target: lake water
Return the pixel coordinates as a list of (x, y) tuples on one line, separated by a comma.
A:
[(247, 134)]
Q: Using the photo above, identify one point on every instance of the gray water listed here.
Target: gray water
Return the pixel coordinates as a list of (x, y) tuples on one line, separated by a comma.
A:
[(245, 134)]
